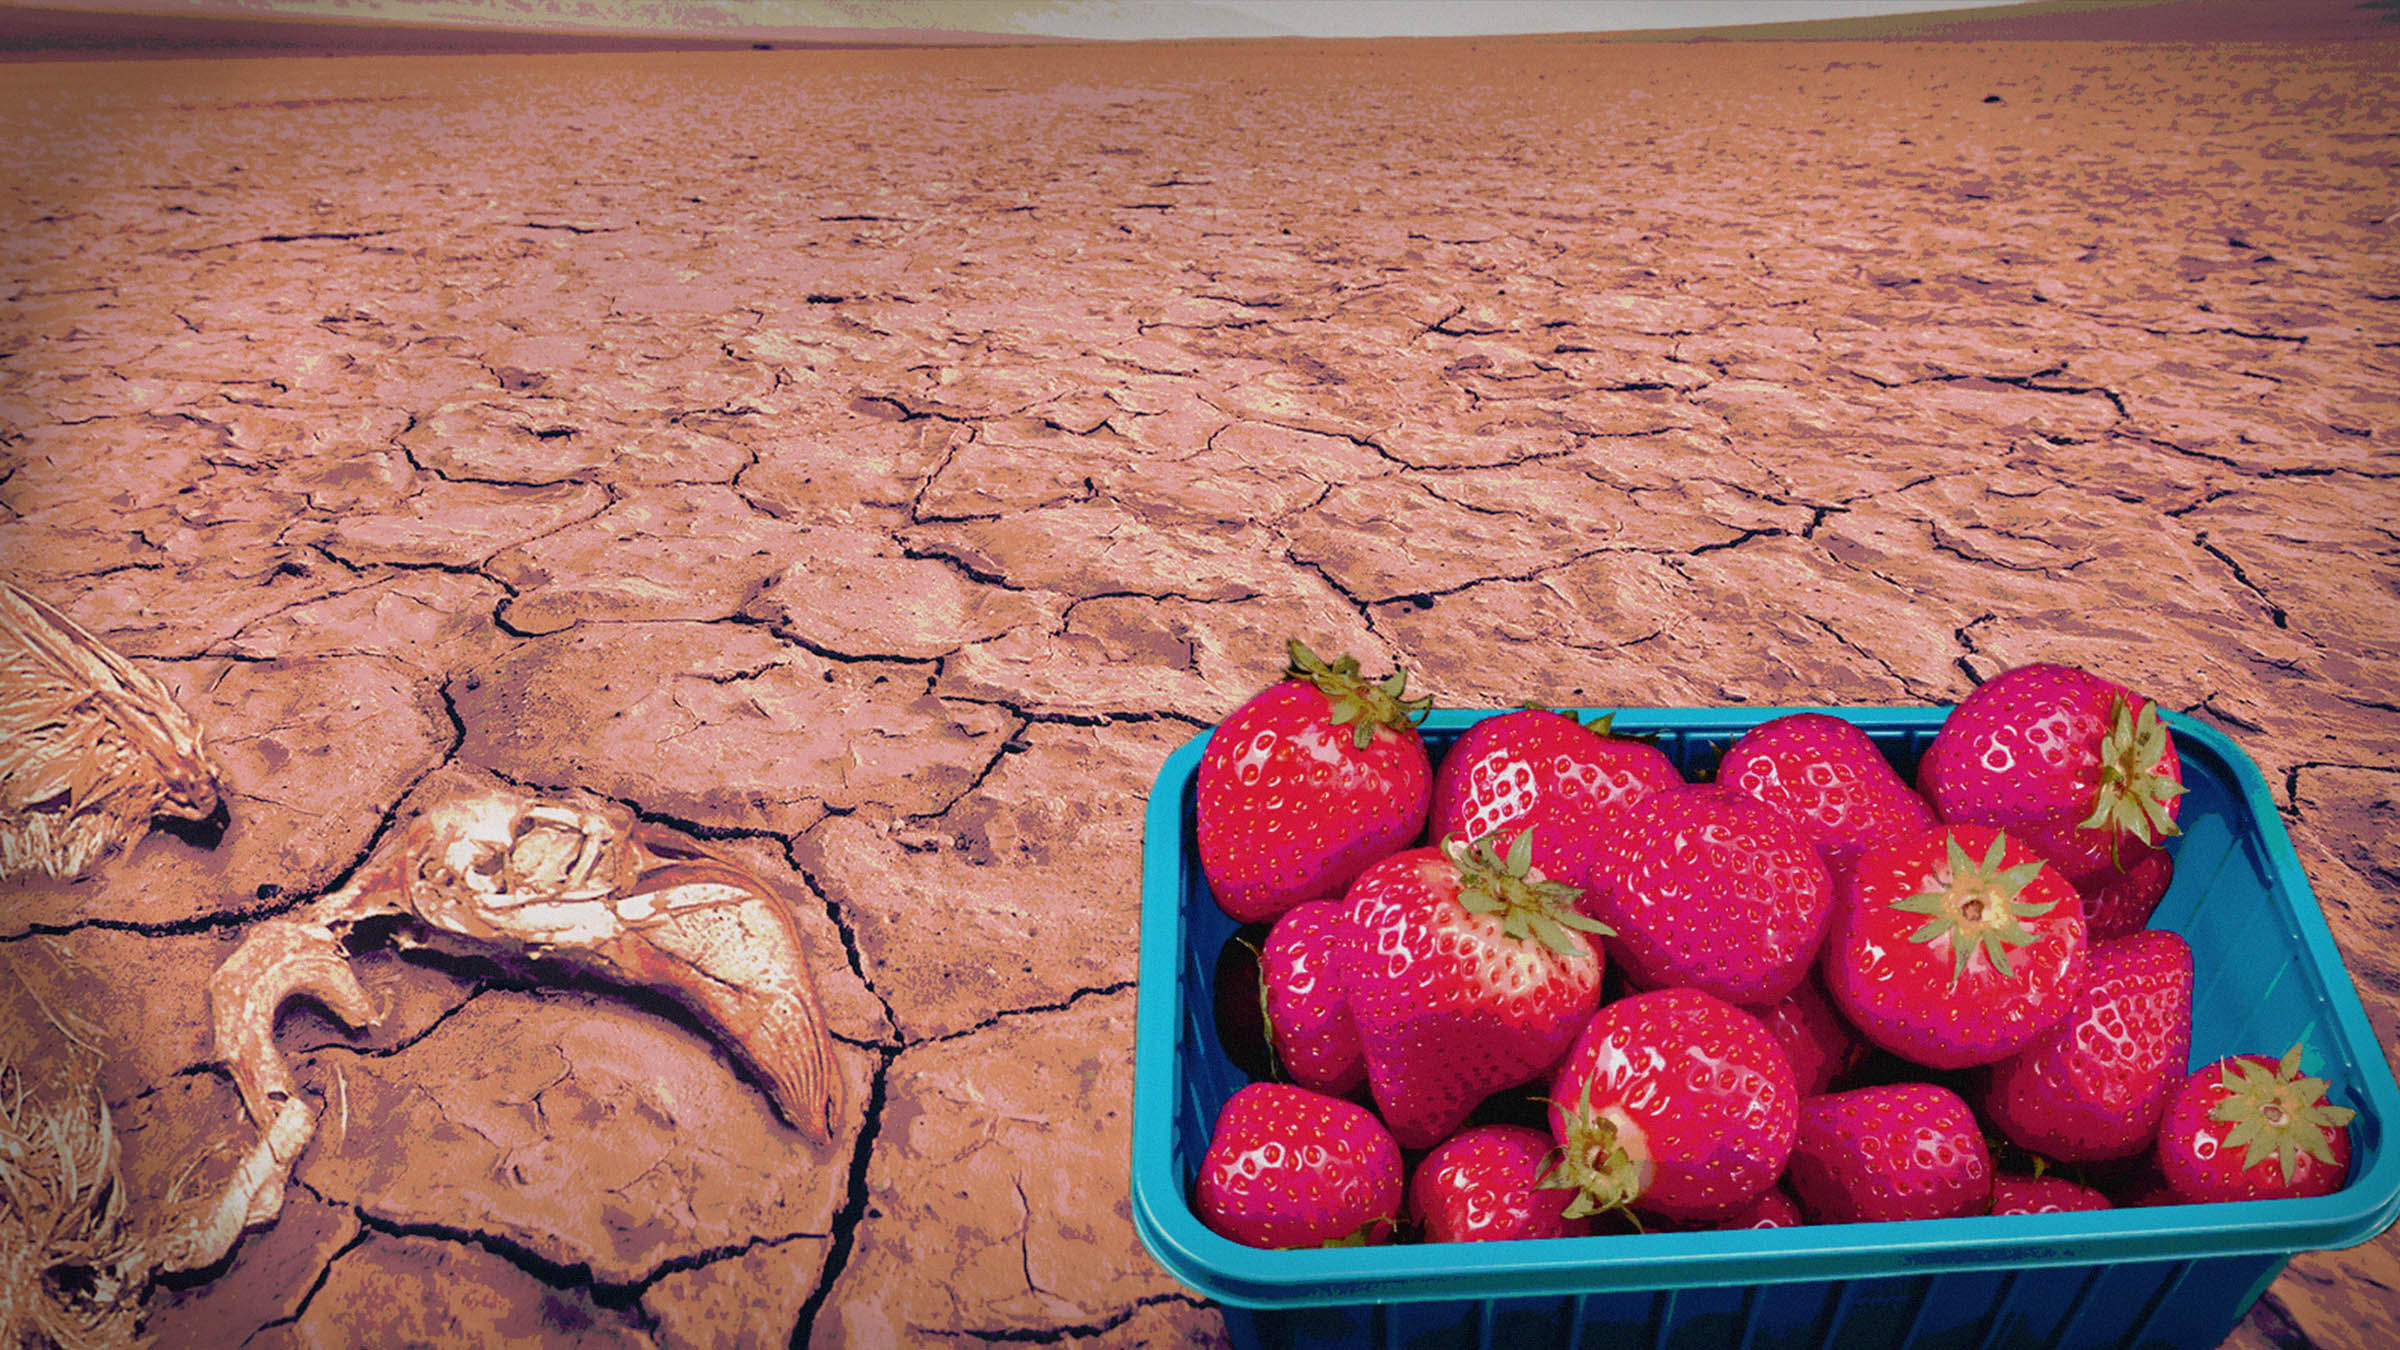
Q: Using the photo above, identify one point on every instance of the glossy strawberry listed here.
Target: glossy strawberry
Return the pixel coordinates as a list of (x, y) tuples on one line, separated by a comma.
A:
[(2075, 765), (1709, 888), (1957, 947), (1287, 1167), (1307, 784), (2251, 1128), (1482, 1184), (1897, 1151), (1308, 1015), (2093, 1087), (1674, 1103), (1502, 768), (2119, 900), (1827, 775), (2014, 1194), (1466, 973), (1822, 1046)]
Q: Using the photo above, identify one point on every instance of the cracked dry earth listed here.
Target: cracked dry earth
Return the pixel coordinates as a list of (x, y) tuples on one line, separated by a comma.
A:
[(876, 462)]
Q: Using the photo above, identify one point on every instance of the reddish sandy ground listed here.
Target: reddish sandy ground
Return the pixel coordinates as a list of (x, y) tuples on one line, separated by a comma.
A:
[(879, 461)]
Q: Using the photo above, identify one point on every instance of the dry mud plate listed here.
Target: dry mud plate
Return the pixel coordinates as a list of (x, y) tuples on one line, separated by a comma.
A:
[(877, 462)]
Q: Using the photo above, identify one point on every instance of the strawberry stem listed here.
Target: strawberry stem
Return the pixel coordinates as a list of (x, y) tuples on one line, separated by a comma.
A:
[(1358, 703), (1974, 904), (1530, 905), (2277, 1113), (1592, 1163), (2133, 795)]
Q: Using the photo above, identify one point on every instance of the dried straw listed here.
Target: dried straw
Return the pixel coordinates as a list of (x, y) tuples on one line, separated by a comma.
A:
[(91, 746)]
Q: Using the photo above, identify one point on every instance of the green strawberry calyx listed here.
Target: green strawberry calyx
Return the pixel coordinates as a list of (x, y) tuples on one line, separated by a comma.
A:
[(2277, 1113), (2133, 795), (1358, 703), (1975, 904), (1531, 906), (1593, 1163), (1602, 725)]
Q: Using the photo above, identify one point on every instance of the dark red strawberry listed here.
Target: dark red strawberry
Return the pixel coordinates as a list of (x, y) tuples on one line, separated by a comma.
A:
[(2093, 1087), (1241, 1004), (1287, 1167), (1466, 973), (1822, 1047), (1502, 768), (1308, 1016), (2075, 765), (1482, 1184), (2251, 1128), (2120, 900), (1898, 1151), (1709, 888), (1675, 1103), (1957, 947), (2141, 1186), (1307, 784), (2013, 1194), (1827, 775)]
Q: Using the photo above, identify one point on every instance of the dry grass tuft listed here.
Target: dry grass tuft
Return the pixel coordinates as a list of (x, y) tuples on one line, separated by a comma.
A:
[(72, 1270)]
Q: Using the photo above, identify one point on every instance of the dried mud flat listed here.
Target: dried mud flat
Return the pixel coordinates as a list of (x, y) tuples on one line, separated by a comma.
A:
[(877, 462)]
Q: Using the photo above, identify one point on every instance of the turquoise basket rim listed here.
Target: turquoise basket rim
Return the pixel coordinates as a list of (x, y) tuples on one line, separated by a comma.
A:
[(1249, 1277)]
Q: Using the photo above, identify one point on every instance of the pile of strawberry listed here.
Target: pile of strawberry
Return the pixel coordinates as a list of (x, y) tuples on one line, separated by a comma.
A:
[(1551, 987)]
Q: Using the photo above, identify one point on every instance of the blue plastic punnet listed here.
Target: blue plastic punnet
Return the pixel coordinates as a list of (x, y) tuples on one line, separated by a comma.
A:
[(2266, 975)]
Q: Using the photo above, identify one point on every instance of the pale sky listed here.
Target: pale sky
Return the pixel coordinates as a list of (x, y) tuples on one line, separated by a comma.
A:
[(1067, 18)]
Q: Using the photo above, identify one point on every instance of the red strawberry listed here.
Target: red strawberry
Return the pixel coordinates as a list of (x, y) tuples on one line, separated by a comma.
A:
[(1287, 1167), (2013, 1194), (1567, 841), (1957, 947), (1466, 973), (1482, 1185), (1675, 1103), (1308, 783), (2120, 900), (2250, 1128), (1830, 779), (1711, 889), (1822, 1047), (1898, 1151), (2093, 1087), (2077, 766), (1774, 1208), (1502, 768), (1308, 1017)]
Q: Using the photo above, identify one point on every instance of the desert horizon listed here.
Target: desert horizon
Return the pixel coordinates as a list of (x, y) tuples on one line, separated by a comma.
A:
[(64, 32)]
